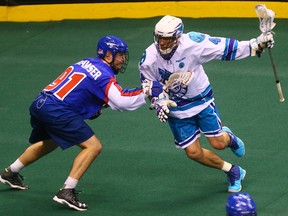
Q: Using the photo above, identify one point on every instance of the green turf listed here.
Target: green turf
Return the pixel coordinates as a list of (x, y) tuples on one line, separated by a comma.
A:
[(140, 172)]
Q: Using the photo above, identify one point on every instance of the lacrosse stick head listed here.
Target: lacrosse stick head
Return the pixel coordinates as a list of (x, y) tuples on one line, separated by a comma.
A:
[(177, 84), (178, 79), (266, 18)]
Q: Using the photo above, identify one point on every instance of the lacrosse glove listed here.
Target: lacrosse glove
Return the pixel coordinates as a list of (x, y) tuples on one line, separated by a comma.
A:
[(162, 103), (261, 42)]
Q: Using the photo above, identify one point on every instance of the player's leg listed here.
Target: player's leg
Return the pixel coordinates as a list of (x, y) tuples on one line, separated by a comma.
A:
[(228, 140), (218, 136), (91, 148), (203, 156), (187, 133), (11, 176), (187, 136), (42, 144), (210, 124), (209, 158), (235, 143), (37, 150)]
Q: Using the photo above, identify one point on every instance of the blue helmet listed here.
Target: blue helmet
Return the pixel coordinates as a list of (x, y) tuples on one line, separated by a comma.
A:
[(240, 204), (114, 45)]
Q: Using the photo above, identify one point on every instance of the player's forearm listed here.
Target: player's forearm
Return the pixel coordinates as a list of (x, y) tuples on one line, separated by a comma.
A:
[(124, 99)]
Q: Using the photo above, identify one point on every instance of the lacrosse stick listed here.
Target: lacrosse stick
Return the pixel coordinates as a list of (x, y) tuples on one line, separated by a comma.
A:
[(178, 79), (175, 81), (266, 24)]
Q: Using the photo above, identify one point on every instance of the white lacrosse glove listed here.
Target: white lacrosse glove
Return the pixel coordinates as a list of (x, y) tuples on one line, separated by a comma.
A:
[(261, 42), (151, 88), (162, 103), (266, 40)]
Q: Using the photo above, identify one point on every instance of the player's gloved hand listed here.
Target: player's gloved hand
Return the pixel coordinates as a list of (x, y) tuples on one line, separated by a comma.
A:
[(261, 42), (162, 103), (266, 40), (151, 88)]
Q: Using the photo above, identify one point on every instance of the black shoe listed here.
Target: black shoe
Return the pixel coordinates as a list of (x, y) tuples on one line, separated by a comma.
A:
[(14, 180), (68, 197)]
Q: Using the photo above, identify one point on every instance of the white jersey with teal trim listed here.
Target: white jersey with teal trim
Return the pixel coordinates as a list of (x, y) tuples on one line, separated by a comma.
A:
[(193, 51)]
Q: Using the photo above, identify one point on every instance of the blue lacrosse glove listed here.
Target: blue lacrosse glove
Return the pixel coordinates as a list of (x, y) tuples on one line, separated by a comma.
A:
[(162, 103), (151, 88)]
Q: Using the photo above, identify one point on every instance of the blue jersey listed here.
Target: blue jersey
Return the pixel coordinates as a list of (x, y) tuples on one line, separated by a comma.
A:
[(89, 84)]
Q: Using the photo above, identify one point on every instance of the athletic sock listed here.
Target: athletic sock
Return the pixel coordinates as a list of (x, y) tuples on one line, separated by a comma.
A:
[(226, 167), (70, 183), (16, 166)]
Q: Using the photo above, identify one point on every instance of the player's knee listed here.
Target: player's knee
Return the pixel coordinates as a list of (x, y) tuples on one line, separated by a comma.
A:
[(218, 143), (93, 146), (97, 148), (94, 150), (194, 154)]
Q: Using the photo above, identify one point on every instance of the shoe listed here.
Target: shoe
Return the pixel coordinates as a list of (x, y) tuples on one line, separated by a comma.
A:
[(69, 197), (240, 150), (235, 176), (14, 180)]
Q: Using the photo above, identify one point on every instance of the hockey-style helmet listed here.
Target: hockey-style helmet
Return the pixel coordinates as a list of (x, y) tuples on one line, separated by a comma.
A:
[(240, 204), (168, 27), (114, 45)]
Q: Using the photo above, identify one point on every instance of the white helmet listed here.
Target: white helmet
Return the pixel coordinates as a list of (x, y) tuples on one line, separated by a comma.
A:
[(168, 27)]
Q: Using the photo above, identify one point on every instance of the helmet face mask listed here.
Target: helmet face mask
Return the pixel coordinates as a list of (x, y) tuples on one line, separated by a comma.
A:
[(168, 28), (115, 46), (118, 59)]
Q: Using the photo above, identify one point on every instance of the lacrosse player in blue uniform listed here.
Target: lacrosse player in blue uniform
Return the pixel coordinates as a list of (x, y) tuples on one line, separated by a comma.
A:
[(59, 112), (175, 59)]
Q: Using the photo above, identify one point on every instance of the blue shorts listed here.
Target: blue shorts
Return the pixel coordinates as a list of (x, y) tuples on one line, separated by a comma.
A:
[(51, 120), (187, 130)]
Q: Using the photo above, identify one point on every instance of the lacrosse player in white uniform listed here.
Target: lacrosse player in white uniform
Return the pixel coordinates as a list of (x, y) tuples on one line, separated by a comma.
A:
[(175, 59)]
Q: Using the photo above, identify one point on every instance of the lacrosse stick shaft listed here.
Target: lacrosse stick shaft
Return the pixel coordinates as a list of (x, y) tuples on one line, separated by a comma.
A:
[(266, 24), (278, 85)]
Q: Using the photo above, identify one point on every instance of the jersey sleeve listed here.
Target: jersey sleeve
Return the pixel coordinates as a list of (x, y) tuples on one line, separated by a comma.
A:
[(226, 49), (124, 99)]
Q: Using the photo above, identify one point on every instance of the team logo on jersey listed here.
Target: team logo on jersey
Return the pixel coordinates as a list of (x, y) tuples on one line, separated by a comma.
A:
[(196, 36), (181, 65), (143, 58)]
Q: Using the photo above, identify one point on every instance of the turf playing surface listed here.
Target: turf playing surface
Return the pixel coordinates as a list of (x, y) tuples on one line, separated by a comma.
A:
[(139, 171)]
